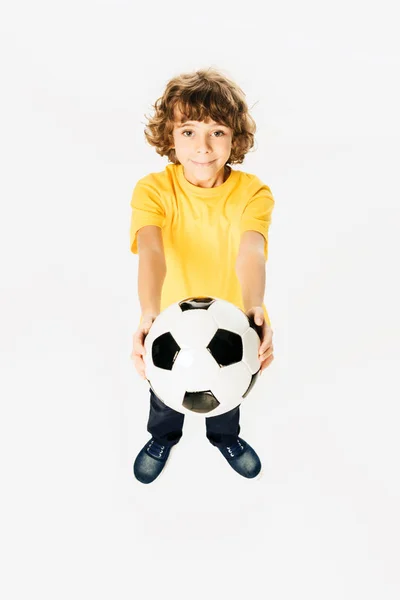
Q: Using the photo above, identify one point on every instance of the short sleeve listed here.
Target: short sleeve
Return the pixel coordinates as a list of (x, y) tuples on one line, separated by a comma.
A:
[(257, 214), (147, 209)]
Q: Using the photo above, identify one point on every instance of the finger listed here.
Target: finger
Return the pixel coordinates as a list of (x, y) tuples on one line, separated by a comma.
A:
[(265, 349), (140, 367), (135, 357), (139, 347), (138, 361), (266, 343), (266, 362), (264, 357), (146, 326)]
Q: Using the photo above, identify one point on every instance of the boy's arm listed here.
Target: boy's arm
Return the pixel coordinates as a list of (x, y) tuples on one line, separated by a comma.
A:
[(250, 269), (152, 272), (152, 269)]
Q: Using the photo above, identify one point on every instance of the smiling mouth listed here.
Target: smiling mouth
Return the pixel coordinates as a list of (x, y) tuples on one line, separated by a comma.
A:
[(203, 164)]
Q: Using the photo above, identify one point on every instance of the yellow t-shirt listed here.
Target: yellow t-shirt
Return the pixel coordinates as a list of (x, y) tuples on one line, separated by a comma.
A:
[(201, 230)]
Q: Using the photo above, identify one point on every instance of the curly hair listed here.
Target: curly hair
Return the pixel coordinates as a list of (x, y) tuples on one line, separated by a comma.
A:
[(200, 95)]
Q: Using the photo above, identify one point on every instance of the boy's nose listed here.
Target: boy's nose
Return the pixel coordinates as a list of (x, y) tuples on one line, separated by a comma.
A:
[(203, 146)]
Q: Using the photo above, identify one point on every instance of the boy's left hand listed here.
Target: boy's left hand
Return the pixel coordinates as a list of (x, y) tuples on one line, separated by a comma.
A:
[(265, 352)]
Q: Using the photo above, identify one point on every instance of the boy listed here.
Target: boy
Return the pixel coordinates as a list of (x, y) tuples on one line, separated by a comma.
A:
[(200, 228)]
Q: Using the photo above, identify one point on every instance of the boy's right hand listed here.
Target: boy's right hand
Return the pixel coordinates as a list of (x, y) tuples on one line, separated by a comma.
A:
[(139, 336)]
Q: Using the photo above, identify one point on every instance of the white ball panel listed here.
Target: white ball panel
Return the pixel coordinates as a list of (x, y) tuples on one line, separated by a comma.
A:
[(194, 329), (196, 369), (251, 345), (168, 389), (231, 384), (228, 316)]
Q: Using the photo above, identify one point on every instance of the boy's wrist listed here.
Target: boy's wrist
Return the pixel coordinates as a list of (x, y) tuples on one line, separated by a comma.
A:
[(147, 314)]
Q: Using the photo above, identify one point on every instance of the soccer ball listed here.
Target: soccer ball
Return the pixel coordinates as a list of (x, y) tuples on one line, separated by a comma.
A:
[(202, 356)]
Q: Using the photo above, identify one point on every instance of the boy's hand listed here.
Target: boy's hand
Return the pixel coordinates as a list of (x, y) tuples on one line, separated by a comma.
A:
[(138, 350), (265, 352)]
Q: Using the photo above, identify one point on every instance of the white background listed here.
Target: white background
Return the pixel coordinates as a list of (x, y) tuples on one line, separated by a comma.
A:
[(77, 80)]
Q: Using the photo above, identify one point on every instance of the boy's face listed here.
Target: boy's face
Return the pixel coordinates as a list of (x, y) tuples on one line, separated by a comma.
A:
[(203, 148)]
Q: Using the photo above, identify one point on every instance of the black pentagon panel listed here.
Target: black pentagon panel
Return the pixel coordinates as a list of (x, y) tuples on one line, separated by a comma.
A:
[(203, 302), (252, 383), (164, 351), (226, 347), (200, 402)]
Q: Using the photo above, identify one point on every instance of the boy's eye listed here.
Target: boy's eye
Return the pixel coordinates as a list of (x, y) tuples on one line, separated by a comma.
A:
[(189, 131)]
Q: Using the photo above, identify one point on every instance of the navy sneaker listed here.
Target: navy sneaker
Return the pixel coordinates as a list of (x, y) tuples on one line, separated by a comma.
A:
[(150, 461), (242, 458)]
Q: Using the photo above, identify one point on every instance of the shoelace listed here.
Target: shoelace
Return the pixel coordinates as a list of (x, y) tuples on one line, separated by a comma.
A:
[(235, 449), (155, 449)]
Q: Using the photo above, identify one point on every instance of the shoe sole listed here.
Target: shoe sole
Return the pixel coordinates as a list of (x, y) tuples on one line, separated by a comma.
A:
[(256, 478), (259, 476)]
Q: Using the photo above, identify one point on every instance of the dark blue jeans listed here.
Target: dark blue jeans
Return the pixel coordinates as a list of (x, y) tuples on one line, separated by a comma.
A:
[(166, 424)]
